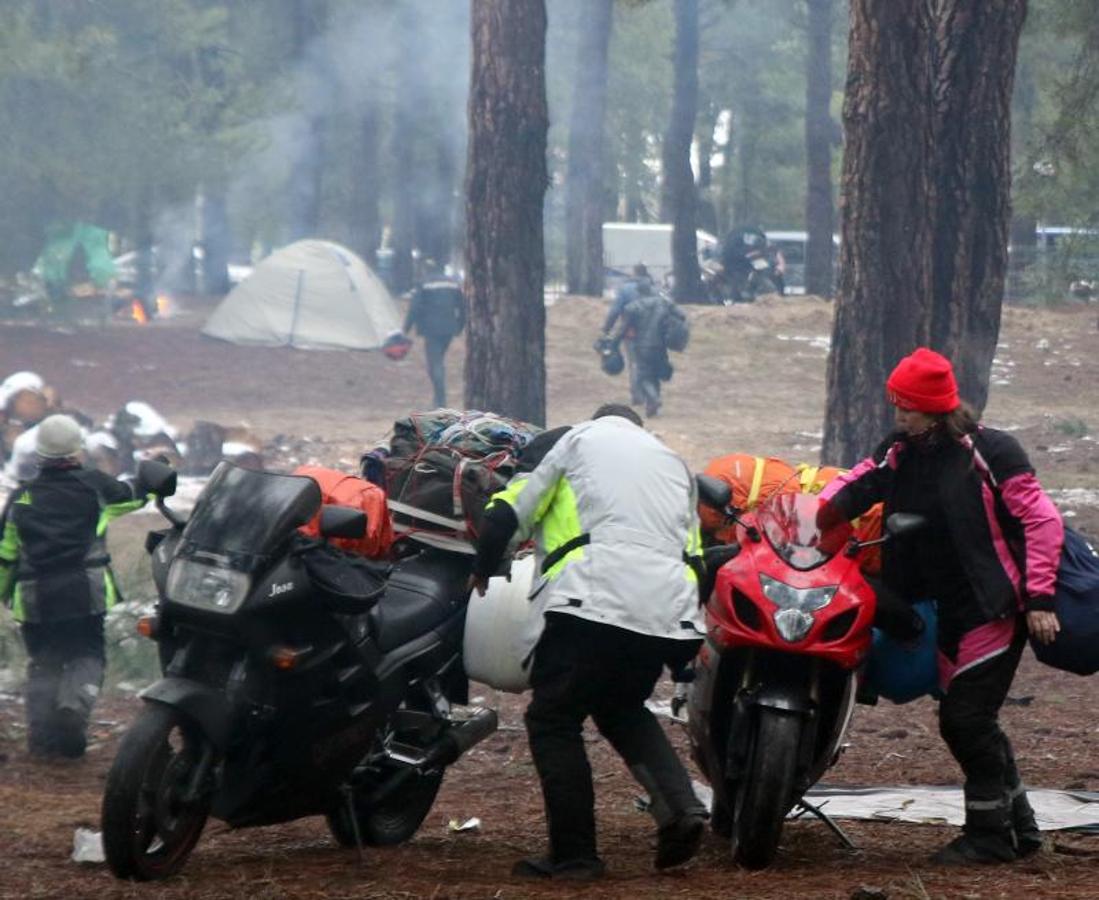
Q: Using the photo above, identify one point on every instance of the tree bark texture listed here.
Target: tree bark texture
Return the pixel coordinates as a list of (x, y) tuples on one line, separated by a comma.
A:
[(973, 50), (506, 180), (925, 202), (584, 187), (679, 184), (819, 213)]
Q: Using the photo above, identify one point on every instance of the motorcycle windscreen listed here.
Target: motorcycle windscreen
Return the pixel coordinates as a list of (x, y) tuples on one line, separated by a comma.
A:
[(789, 521), (242, 512)]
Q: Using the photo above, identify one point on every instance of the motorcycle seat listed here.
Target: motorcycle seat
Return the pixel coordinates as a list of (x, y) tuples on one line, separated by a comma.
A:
[(421, 594)]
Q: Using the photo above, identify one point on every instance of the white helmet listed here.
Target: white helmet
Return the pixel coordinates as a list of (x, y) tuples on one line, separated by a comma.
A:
[(58, 437)]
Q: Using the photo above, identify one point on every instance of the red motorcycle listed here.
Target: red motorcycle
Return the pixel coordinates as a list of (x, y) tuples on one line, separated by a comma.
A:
[(788, 627)]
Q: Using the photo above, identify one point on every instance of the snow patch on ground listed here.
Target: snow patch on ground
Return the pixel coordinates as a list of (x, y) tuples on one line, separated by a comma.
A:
[(1074, 496), (818, 341)]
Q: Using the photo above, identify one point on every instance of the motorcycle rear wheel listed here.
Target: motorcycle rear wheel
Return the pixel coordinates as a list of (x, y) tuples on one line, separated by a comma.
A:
[(766, 794), (148, 829), (392, 821)]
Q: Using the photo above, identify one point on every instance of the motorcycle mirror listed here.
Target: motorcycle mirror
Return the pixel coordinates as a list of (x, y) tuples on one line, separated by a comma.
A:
[(714, 492), (156, 477), (899, 524), (342, 522)]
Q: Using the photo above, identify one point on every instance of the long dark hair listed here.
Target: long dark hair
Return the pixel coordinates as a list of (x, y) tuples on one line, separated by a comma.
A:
[(960, 422)]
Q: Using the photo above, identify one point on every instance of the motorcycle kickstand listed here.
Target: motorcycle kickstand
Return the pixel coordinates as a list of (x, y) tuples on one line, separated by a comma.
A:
[(806, 806), (349, 799)]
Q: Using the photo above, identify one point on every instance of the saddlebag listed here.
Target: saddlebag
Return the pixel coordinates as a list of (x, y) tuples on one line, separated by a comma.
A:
[(343, 582)]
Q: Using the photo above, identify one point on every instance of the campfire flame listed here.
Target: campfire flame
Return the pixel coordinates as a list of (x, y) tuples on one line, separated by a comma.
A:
[(137, 311), (163, 305)]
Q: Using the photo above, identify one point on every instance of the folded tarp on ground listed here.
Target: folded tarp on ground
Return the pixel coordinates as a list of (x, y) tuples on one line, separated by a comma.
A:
[(1055, 810)]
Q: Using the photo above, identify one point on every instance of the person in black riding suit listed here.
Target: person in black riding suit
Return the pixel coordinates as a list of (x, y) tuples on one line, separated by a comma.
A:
[(438, 312), (55, 571)]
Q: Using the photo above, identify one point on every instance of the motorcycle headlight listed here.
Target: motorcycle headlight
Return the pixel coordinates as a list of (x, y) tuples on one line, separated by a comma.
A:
[(203, 586), (805, 600), (793, 624)]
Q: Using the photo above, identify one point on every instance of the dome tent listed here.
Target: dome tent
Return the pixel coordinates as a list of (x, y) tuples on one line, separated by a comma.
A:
[(312, 295)]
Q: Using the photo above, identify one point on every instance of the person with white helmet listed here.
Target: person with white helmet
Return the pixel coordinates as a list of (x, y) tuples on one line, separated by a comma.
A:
[(55, 573)]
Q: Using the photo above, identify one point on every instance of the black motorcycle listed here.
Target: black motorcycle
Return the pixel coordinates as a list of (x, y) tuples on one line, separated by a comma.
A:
[(756, 272), (296, 680)]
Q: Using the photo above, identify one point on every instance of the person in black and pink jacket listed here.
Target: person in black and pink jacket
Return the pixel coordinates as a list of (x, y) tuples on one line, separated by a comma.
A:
[(988, 557)]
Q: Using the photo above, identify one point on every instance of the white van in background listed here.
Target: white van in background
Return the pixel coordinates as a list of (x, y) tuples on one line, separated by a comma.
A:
[(791, 244), (627, 243)]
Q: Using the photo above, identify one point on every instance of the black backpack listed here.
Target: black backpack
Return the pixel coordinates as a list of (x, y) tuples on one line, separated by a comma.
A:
[(675, 328)]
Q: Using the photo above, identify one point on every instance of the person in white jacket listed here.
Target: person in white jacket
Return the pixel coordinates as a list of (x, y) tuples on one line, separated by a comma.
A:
[(614, 515)]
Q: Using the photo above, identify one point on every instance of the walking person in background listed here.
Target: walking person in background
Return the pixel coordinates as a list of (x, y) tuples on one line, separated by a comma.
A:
[(640, 285), (614, 514), (55, 572), (438, 312), (988, 556)]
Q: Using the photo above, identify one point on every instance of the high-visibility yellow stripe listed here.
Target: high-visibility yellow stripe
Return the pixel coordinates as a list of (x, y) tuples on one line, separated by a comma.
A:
[(757, 483)]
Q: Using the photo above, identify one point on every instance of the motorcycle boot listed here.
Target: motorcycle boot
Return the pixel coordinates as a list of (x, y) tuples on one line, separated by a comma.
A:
[(987, 837), (679, 841), (567, 870), (1028, 839), (680, 818)]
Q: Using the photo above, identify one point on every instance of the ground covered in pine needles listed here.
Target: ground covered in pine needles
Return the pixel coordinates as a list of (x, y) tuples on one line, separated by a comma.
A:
[(751, 381)]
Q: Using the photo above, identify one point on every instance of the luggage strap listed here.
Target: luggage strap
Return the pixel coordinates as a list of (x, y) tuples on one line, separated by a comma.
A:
[(757, 483), (559, 553), (582, 540)]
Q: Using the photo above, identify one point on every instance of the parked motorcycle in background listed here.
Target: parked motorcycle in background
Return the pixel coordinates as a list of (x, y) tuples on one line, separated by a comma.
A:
[(297, 681), (788, 627), (748, 267)]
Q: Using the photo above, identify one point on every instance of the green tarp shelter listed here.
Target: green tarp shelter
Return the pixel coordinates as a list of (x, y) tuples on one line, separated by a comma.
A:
[(75, 242)]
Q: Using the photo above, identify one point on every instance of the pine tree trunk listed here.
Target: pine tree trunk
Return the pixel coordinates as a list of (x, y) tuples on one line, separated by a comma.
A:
[(584, 191), (682, 198), (217, 242), (506, 180), (366, 222), (975, 44), (884, 282), (309, 148), (819, 216), (749, 123), (633, 200), (402, 149), (926, 180)]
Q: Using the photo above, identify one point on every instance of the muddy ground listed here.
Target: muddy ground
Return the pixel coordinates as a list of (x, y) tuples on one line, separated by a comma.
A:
[(752, 380)]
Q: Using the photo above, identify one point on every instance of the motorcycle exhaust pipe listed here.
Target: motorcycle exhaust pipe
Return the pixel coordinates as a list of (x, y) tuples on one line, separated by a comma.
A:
[(459, 738)]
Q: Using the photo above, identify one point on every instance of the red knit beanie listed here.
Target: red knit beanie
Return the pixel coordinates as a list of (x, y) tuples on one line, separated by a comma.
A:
[(924, 381)]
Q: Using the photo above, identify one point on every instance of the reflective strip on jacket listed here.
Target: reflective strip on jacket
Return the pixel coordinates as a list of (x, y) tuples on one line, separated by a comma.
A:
[(628, 506)]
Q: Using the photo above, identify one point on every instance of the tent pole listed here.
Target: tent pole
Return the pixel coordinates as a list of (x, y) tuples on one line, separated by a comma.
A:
[(297, 303)]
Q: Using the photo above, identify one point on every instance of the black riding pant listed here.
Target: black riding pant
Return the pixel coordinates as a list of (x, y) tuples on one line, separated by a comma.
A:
[(969, 723), (582, 669), (65, 667), (435, 347)]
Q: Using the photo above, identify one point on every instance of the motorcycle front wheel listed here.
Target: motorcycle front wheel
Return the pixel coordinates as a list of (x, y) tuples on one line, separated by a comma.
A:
[(149, 829), (766, 794)]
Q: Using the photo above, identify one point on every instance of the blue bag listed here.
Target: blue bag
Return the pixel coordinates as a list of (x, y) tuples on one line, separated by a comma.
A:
[(1076, 599), (903, 672)]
